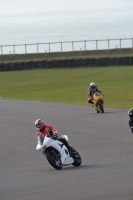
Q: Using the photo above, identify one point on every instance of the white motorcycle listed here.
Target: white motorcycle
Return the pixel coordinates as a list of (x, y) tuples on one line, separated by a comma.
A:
[(57, 153)]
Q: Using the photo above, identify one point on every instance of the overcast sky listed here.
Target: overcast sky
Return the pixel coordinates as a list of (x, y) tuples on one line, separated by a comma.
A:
[(22, 6)]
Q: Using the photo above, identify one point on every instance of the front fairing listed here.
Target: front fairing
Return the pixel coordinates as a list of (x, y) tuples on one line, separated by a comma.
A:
[(97, 98), (60, 147)]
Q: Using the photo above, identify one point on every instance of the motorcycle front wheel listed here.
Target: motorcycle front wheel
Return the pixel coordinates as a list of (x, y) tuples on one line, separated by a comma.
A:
[(100, 104), (53, 158)]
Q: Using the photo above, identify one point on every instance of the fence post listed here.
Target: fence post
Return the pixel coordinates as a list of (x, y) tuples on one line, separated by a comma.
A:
[(37, 47), (120, 43), (49, 46), (96, 45), (61, 47), (14, 48), (132, 42), (85, 45), (1, 50), (72, 45), (25, 49), (108, 45)]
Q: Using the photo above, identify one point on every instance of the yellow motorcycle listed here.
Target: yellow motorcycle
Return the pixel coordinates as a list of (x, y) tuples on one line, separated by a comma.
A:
[(98, 102)]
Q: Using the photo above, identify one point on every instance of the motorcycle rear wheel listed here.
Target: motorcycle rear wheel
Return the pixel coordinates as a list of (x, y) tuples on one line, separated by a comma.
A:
[(76, 157), (53, 158)]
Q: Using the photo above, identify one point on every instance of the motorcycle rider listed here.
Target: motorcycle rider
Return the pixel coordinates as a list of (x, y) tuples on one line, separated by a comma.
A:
[(91, 90), (130, 112), (44, 129)]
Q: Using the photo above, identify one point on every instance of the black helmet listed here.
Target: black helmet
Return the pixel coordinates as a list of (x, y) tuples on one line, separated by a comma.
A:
[(130, 112)]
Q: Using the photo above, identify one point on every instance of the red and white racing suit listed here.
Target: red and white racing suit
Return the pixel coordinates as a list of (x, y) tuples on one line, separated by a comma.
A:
[(40, 135)]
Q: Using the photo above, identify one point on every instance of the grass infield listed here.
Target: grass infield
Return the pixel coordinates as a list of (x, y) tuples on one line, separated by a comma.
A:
[(69, 85)]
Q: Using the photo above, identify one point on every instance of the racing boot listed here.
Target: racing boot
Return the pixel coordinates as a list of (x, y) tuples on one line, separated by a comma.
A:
[(63, 140), (39, 144)]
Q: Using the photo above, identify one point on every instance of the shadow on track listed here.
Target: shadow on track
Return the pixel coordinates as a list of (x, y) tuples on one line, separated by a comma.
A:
[(82, 167)]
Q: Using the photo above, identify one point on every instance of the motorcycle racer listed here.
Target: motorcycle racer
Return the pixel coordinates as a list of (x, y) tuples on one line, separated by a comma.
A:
[(44, 129), (130, 112), (91, 90)]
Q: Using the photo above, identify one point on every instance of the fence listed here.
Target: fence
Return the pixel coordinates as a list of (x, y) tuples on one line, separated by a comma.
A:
[(83, 45)]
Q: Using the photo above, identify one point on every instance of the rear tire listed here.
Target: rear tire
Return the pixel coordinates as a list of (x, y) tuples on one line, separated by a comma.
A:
[(53, 158), (76, 157)]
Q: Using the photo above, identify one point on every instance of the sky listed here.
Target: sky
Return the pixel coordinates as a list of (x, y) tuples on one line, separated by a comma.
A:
[(29, 6)]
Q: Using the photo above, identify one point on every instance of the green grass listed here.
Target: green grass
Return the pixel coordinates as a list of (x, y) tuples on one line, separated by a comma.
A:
[(70, 85), (67, 55)]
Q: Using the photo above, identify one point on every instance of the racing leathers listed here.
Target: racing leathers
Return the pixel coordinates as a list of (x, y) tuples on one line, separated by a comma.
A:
[(49, 131), (91, 92)]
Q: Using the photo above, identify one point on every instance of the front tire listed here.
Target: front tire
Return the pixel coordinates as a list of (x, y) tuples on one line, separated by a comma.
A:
[(53, 158), (101, 107)]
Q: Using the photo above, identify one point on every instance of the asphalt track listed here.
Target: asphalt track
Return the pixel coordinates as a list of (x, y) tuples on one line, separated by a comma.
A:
[(104, 142)]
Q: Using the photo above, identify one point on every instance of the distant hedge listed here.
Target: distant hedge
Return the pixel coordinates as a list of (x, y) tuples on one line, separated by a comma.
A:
[(66, 63)]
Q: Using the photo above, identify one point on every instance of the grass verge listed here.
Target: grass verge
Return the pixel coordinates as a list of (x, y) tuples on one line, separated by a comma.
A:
[(70, 85)]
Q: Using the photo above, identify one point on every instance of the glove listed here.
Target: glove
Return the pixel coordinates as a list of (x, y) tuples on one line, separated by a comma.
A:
[(90, 100), (55, 136), (50, 132)]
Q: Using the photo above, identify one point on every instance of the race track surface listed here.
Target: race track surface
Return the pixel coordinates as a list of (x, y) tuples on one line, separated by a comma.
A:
[(104, 142)]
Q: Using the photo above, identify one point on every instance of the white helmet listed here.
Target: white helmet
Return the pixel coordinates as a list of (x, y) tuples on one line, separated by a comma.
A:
[(39, 124), (93, 86), (130, 112)]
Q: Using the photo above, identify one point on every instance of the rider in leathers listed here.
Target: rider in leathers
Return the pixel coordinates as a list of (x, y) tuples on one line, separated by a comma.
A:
[(47, 130), (91, 90)]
